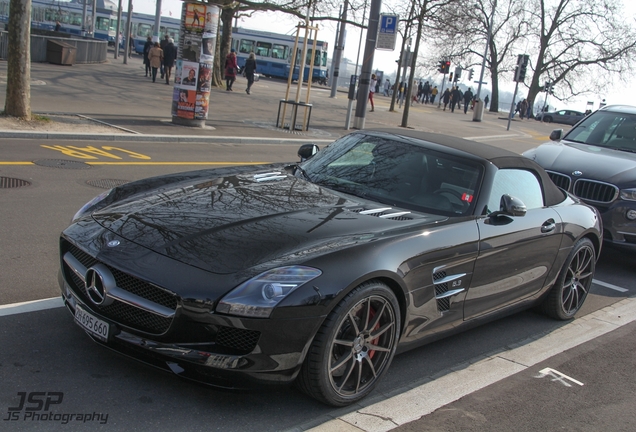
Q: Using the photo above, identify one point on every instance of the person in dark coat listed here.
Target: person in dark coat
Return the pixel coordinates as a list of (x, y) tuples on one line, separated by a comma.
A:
[(250, 68), (163, 45), (468, 97), (455, 97), (169, 56), (147, 47), (230, 69), (446, 98)]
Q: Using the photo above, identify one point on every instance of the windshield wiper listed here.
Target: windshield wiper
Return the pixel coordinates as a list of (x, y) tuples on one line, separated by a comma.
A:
[(622, 149)]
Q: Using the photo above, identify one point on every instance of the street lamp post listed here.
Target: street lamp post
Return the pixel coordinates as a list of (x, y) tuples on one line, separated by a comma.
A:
[(479, 109)]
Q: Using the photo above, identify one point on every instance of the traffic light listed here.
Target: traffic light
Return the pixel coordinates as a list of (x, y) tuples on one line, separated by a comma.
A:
[(551, 89), (547, 86), (450, 79), (471, 72), (522, 66), (447, 66), (442, 65), (458, 73)]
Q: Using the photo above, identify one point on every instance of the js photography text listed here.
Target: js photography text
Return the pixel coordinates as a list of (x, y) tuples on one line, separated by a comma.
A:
[(36, 406)]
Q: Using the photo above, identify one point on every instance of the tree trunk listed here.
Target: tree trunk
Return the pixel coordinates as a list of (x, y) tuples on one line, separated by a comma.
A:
[(223, 48), (18, 96)]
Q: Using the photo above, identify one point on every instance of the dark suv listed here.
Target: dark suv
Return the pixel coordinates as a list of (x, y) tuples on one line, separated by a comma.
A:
[(596, 161)]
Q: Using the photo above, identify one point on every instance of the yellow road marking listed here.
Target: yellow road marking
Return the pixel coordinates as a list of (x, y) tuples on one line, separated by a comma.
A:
[(150, 163)]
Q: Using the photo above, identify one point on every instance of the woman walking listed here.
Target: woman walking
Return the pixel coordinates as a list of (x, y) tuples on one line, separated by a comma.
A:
[(155, 57), (230, 69), (169, 56), (250, 68)]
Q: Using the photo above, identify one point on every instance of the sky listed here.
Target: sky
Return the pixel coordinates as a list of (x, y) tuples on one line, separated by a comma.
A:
[(618, 92)]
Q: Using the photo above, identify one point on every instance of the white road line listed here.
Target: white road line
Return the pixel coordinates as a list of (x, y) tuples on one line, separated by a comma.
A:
[(609, 285), (477, 138), (30, 306), (420, 401)]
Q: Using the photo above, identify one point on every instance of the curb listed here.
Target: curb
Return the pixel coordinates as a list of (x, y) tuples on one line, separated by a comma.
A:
[(158, 138)]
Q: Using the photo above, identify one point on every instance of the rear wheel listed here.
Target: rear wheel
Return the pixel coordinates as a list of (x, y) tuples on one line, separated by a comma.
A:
[(567, 295), (547, 119), (354, 347)]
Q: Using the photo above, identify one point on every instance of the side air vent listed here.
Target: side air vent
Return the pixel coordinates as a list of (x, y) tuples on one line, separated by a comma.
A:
[(442, 292)]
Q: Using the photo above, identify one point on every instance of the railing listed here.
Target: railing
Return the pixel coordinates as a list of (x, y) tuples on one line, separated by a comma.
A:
[(87, 50)]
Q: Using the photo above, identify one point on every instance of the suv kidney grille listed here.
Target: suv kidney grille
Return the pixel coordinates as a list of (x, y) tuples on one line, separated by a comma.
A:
[(595, 191), (560, 180)]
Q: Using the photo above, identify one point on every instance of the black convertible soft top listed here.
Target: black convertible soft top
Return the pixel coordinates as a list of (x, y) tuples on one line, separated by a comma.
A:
[(499, 157)]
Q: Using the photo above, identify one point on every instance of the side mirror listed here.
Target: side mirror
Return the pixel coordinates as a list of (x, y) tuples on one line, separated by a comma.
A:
[(510, 206), (307, 150), (556, 135)]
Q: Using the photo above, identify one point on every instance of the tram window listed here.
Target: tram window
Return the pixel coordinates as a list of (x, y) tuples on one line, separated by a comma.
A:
[(246, 46), (324, 58), (280, 52), (76, 19), (263, 49), (144, 30), (101, 23)]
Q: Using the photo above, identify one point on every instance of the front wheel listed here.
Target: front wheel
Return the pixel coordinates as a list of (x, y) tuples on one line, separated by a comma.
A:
[(354, 347), (570, 290)]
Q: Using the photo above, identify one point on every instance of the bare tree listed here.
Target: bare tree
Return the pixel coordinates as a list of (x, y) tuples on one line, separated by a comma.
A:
[(581, 45), (467, 23), (18, 96)]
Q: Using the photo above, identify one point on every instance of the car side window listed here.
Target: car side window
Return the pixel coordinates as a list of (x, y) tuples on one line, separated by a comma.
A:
[(518, 183)]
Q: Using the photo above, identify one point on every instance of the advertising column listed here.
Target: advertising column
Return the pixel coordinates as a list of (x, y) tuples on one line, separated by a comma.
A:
[(193, 71)]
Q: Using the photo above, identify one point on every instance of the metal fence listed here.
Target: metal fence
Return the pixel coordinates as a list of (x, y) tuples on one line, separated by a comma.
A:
[(87, 50)]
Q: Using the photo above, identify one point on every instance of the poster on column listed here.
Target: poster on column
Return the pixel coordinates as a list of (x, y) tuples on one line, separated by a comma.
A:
[(194, 19), (187, 78), (183, 103)]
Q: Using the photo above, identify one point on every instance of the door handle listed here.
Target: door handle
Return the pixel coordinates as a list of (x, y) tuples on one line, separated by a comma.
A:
[(548, 226)]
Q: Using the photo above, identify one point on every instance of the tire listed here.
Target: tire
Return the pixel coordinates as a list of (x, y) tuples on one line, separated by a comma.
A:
[(547, 119), (354, 347), (568, 293)]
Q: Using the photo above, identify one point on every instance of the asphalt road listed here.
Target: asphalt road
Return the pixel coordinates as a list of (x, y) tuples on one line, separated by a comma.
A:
[(46, 352)]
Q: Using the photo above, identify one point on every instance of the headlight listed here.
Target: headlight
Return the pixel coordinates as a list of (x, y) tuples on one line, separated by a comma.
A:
[(86, 207), (628, 194), (257, 297)]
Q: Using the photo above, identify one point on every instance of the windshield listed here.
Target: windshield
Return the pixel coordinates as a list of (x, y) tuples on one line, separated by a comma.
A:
[(606, 129), (396, 173)]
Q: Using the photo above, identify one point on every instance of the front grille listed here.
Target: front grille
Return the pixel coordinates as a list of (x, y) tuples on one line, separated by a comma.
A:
[(560, 180), (591, 190), (120, 312), (240, 339)]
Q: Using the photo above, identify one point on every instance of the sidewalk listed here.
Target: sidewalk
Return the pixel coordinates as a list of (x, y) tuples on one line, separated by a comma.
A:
[(120, 95)]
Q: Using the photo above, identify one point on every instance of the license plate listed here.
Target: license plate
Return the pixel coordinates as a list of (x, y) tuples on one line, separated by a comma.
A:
[(91, 324)]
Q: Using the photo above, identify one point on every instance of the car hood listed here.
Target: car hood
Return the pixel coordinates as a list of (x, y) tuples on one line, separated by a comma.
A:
[(613, 166), (230, 223)]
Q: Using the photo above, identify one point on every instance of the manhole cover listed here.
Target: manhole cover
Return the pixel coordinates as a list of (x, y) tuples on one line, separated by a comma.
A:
[(8, 182), (61, 163), (107, 183)]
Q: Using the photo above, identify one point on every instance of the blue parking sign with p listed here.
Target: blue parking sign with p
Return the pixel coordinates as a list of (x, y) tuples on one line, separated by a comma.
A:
[(387, 32), (388, 23)]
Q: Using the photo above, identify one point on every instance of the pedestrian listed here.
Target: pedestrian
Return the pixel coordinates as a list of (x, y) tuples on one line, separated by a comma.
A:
[(454, 99), (427, 90), (169, 57), (155, 57), (434, 94), (523, 108), (387, 87), (147, 47), (231, 67), (250, 68), (372, 85), (468, 97), (131, 44), (162, 45), (58, 26), (446, 97), (486, 100)]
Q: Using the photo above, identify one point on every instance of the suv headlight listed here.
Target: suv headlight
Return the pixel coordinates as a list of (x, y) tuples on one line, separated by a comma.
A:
[(257, 297), (628, 194)]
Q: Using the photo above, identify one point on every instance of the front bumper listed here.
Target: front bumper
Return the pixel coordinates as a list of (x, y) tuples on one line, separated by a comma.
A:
[(618, 230), (197, 362)]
